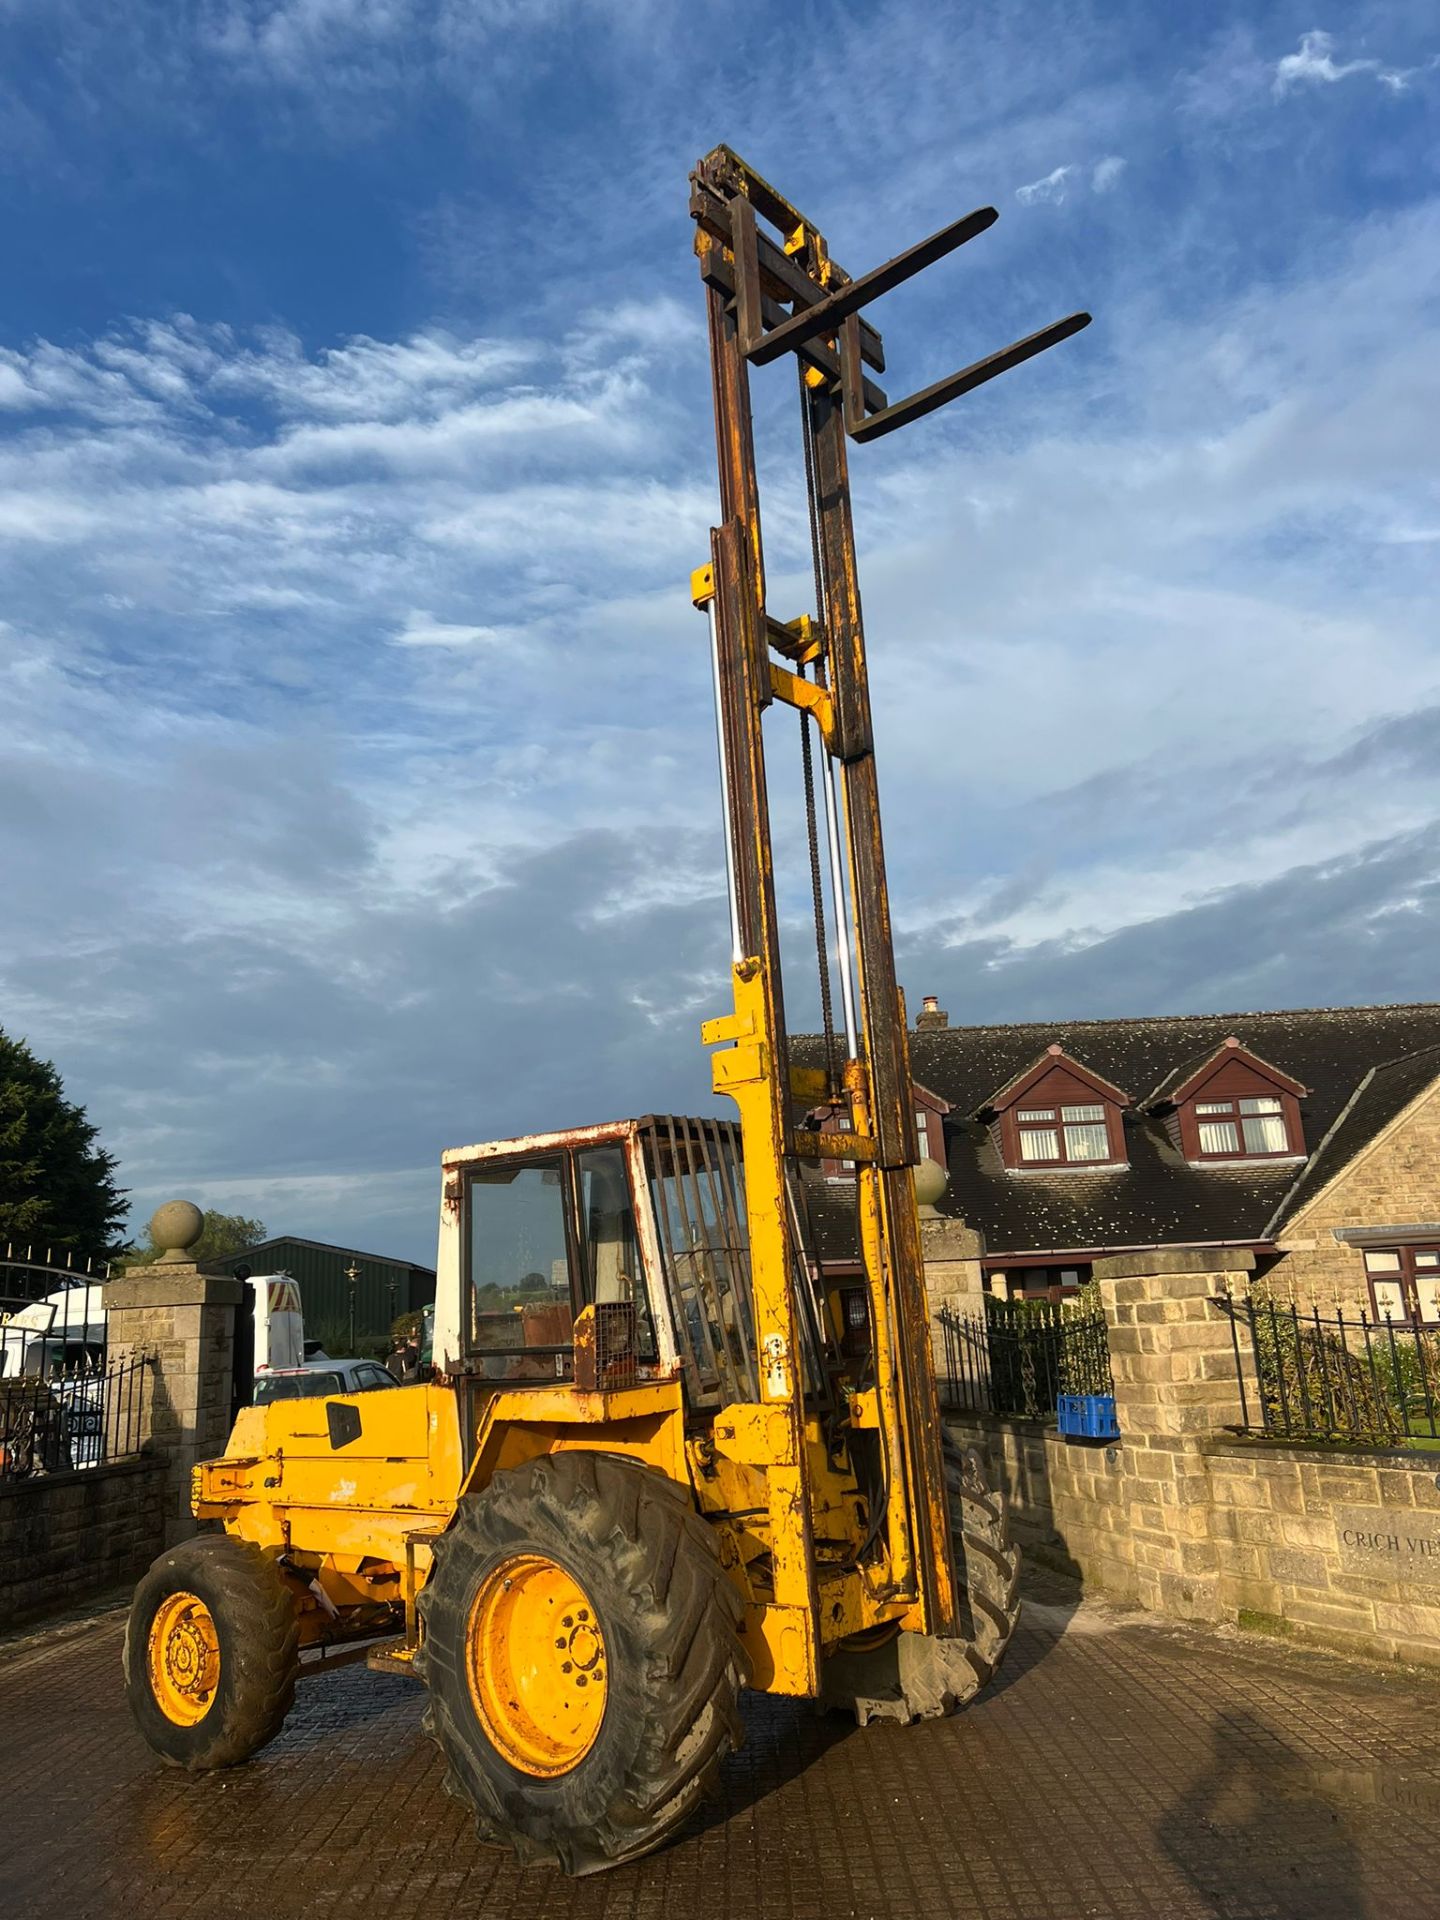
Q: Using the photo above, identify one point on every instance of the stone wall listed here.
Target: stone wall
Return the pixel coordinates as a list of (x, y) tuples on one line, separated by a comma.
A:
[(1393, 1181), (1332, 1547), (1069, 1503), (1336, 1547), (1173, 1361), (1184, 1516), (1130, 1517), (64, 1536)]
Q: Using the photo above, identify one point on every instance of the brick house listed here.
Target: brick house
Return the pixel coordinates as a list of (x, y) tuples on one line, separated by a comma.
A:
[(1309, 1138)]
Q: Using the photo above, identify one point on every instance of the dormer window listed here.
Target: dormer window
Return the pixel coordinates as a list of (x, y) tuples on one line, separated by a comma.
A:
[(1231, 1105), (1058, 1113), (1060, 1136), (1248, 1128)]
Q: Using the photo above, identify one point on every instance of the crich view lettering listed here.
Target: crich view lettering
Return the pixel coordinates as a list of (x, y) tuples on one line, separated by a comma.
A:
[(1390, 1542)]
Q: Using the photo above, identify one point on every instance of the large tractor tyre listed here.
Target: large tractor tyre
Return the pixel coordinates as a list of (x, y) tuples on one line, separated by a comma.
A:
[(211, 1652), (914, 1676), (583, 1660)]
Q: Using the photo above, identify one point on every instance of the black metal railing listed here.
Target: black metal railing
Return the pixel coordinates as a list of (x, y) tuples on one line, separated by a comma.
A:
[(65, 1401), (1018, 1356), (1308, 1374), (83, 1415), (63, 1261), (51, 1315)]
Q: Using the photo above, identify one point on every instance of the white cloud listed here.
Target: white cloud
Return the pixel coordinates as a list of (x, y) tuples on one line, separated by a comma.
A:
[(389, 1199), (369, 379), (290, 40), (455, 437), (1052, 187), (1107, 172), (1055, 186), (380, 50), (424, 630), (1314, 65)]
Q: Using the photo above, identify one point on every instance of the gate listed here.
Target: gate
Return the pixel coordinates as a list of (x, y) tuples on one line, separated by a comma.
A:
[(64, 1404)]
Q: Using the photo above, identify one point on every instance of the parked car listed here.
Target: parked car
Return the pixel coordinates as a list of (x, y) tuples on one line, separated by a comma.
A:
[(318, 1378)]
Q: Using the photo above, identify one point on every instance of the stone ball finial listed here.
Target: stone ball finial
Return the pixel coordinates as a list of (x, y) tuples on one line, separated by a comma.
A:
[(931, 1180), (175, 1228)]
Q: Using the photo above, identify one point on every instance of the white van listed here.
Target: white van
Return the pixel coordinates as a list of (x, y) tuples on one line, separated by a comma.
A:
[(279, 1322), (62, 1333)]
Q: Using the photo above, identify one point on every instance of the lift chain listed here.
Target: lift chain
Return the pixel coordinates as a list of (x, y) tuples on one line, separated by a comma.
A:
[(812, 829)]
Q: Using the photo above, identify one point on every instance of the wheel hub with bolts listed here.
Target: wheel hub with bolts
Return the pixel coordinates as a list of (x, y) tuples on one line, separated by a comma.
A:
[(537, 1665), (184, 1659), (202, 1602)]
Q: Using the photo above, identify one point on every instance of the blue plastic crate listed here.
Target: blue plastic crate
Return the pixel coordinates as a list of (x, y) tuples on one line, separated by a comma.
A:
[(1087, 1416)]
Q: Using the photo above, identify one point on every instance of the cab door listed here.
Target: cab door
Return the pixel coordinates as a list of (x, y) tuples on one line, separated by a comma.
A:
[(521, 1269)]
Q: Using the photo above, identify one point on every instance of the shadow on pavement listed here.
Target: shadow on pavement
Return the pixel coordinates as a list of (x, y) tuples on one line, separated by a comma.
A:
[(783, 1740), (1225, 1837), (326, 1703)]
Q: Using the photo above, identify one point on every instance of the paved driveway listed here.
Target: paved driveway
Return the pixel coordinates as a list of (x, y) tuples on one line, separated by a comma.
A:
[(1123, 1768)]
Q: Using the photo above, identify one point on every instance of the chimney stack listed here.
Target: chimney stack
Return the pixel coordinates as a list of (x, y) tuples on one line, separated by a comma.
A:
[(931, 1014)]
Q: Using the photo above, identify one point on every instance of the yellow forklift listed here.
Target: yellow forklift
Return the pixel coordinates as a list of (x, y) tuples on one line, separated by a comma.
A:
[(659, 1459)]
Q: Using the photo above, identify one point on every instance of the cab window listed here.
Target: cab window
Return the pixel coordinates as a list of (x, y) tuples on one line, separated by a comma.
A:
[(610, 1243), (521, 1318)]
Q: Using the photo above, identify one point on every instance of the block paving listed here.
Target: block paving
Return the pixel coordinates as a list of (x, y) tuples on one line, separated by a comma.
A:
[(1123, 1767)]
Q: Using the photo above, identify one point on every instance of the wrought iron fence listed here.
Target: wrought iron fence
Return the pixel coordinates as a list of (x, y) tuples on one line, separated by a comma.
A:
[(79, 1416), (1018, 1356), (65, 1403), (1334, 1375), (51, 1316), (62, 1260)]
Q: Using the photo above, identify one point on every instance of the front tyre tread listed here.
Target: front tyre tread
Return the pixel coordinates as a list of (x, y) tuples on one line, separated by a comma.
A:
[(671, 1623), (257, 1625)]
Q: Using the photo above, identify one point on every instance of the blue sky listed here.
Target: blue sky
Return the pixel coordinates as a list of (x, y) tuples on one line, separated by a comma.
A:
[(355, 789)]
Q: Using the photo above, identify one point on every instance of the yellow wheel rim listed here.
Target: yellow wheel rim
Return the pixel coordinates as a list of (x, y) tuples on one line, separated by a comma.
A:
[(183, 1658), (537, 1665)]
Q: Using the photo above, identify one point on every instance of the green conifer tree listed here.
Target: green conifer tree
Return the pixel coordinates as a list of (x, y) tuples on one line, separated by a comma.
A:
[(57, 1187)]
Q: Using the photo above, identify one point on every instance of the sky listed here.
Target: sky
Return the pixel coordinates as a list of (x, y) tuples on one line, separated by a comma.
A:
[(356, 769)]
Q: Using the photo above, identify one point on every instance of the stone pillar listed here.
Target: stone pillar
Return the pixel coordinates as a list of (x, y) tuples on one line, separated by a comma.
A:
[(953, 1275), (1172, 1356), (182, 1315)]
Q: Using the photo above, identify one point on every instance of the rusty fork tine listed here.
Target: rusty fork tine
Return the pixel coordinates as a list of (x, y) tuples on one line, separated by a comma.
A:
[(826, 315), (954, 384)]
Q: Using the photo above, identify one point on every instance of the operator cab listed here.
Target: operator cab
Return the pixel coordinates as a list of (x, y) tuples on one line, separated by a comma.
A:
[(644, 1220)]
